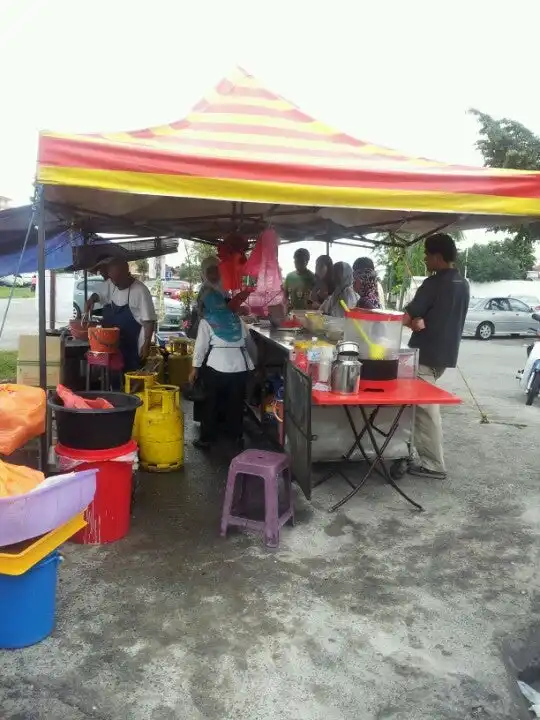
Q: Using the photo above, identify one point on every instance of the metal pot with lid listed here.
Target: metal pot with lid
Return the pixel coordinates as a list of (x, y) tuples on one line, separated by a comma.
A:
[(347, 347), (346, 369)]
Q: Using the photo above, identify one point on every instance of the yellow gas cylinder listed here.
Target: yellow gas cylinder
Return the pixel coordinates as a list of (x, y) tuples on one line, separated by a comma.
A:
[(161, 429), (135, 383), (180, 360), (156, 363)]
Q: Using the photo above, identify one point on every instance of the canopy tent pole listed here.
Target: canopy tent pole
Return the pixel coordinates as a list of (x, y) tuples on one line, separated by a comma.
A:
[(42, 314), (52, 299), (85, 278)]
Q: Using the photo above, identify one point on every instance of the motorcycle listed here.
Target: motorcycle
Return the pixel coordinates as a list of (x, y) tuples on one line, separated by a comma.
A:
[(529, 378)]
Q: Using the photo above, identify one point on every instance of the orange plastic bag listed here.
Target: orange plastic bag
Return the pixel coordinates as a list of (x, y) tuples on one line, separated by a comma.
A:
[(18, 479), (22, 415), (71, 400)]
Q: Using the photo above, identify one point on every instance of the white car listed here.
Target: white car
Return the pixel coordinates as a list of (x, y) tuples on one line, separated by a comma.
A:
[(487, 317), (12, 280), (530, 300)]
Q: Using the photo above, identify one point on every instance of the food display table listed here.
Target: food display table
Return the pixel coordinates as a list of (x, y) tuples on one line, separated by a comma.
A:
[(400, 395), (328, 426), (340, 430)]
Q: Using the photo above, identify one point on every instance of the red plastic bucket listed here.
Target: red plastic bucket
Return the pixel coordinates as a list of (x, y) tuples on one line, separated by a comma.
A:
[(108, 515)]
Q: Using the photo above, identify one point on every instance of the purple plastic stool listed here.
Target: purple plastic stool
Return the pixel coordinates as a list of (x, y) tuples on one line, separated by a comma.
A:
[(269, 466)]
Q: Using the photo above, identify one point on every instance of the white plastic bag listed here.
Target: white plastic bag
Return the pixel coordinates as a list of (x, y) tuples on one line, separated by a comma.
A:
[(67, 464), (532, 696)]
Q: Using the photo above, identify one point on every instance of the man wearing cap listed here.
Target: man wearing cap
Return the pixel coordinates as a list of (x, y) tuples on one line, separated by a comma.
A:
[(299, 283), (127, 305)]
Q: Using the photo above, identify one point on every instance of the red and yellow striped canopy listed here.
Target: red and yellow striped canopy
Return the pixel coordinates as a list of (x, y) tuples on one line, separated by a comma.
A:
[(243, 143)]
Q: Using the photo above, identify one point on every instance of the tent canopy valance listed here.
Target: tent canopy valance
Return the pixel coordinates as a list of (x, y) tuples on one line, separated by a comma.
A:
[(245, 157), (65, 246)]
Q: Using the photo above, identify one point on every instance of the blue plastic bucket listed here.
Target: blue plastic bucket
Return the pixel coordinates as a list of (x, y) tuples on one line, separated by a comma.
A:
[(27, 604)]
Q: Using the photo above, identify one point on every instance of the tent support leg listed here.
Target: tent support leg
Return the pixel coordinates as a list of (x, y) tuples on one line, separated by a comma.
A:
[(42, 315), (85, 278), (52, 300)]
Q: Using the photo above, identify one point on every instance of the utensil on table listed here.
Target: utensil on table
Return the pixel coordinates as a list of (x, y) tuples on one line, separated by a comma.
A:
[(376, 351), (345, 375)]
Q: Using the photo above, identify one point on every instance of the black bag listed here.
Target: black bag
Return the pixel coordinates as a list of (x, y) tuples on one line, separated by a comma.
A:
[(194, 392)]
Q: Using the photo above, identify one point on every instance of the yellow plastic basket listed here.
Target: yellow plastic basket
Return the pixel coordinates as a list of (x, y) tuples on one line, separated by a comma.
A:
[(17, 559)]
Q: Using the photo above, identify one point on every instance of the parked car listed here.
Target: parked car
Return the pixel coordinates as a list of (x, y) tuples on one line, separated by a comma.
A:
[(487, 317), (173, 308), (94, 283), (171, 288), (12, 280), (530, 300)]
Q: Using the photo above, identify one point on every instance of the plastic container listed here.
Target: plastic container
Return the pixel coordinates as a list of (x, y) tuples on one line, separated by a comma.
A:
[(21, 557), (28, 604), (109, 514), (381, 327), (334, 328), (313, 321), (47, 507), (79, 329), (96, 429), (408, 363), (104, 339)]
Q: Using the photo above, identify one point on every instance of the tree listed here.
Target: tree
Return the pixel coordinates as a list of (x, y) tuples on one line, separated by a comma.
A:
[(509, 144), (487, 263), (402, 263), (195, 254), (142, 268)]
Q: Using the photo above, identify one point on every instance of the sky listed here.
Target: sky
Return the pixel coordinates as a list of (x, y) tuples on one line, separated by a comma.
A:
[(401, 73)]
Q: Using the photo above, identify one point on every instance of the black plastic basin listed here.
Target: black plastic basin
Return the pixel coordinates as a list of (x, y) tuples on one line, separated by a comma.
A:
[(95, 429)]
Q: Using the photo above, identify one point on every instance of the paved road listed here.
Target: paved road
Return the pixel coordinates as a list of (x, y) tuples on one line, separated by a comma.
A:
[(489, 369), (22, 319)]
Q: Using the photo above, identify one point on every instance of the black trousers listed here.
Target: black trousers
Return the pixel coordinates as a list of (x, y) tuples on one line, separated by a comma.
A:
[(225, 393)]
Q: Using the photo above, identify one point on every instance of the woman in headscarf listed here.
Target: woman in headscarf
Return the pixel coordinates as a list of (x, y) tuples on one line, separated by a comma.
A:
[(324, 280), (343, 291), (366, 285), (223, 354), (211, 280)]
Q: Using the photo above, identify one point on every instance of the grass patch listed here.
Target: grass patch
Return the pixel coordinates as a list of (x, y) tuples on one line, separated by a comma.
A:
[(19, 292), (8, 365)]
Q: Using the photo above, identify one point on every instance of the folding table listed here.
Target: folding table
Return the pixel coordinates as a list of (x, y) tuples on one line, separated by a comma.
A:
[(400, 394)]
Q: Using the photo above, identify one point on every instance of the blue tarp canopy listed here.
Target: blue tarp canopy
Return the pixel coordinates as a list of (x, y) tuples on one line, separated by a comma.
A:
[(64, 247), (58, 254)]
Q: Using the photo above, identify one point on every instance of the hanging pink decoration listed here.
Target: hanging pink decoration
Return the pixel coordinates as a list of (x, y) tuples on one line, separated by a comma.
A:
[(263, 265), (232, 260)]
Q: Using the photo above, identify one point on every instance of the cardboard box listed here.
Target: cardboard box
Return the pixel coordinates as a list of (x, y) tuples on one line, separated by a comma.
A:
[(28, 360)]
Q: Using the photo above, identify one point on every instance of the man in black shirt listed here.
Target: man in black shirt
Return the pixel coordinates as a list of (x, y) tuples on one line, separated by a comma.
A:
[(436, 316)]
